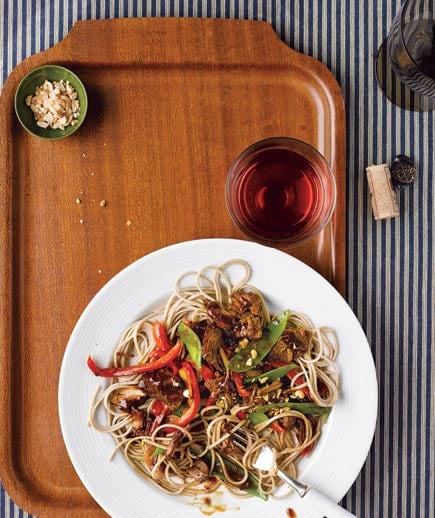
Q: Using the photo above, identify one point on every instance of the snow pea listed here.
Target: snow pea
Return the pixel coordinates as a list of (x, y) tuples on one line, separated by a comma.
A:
[(257, 417), (303, 408), (192, 343), (257, 350), (252, 486), (274, 374)]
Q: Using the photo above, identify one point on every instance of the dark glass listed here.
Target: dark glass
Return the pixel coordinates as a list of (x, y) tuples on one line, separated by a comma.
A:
[(411, 46), (410, 51)]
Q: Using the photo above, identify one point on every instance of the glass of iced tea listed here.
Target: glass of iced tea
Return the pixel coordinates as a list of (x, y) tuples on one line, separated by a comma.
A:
[(280, 191)]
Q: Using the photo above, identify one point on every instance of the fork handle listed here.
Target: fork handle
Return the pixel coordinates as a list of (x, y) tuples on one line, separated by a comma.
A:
[(300, 488), (327, 507)]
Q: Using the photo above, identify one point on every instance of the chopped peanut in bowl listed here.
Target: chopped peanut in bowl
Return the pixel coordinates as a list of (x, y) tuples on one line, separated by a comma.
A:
[(54, 105)]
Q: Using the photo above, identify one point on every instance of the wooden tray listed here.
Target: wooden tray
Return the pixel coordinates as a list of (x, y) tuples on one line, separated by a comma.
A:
[(172, 103)]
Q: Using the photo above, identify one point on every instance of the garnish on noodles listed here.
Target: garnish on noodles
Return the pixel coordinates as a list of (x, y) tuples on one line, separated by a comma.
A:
[(212, 364)]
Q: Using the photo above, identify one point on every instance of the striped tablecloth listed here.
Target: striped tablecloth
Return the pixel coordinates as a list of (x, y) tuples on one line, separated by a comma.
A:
[(390, 272)]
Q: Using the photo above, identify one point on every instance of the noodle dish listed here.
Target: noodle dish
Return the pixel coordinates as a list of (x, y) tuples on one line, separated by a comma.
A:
[(198, 385)]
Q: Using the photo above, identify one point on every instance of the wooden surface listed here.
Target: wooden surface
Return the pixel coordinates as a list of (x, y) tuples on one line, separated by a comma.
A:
[(171, 104)]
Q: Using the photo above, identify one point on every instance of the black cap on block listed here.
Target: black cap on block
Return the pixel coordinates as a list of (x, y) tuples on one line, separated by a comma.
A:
[(403, 171)]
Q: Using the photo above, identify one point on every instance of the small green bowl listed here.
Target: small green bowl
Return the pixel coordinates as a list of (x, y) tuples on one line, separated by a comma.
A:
[(28, 85)]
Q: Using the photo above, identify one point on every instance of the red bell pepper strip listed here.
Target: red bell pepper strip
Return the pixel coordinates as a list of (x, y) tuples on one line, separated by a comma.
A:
[(174, 367), (159, 410), (277, 427), (162, 344), (238, 380), (188, 375), (157, 407), (206, 373), (260, 417), (160, 337), (211, 400), (277, 364), (306, 451), (114, 372), (294, 375)]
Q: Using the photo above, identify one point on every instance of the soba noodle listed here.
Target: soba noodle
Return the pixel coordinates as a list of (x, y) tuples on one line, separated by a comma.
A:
[(203, 454)]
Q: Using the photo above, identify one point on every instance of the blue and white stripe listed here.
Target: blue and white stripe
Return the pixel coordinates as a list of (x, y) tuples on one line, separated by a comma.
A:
[(390, 264)]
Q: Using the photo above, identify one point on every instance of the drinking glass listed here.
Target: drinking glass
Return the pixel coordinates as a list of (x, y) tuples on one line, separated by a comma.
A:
[(280, 191), (410, 51)]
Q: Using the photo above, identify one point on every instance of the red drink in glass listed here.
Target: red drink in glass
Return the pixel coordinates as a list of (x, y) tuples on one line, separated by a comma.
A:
[(280, 190)]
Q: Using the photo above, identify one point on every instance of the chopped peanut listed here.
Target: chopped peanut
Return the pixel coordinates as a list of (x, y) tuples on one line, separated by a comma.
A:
[(54, 105)]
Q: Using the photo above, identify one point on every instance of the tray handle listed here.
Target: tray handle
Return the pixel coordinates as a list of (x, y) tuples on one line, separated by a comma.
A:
[(202, 40)]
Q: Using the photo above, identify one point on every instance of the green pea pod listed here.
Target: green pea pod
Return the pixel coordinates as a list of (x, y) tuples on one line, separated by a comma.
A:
[(192, 343), (158, 451), (274, 374), (252, 488), (244, 360), (304, 408), (257, 417)]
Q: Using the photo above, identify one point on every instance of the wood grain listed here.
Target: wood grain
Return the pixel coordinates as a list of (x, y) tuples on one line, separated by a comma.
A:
[(172, 102)]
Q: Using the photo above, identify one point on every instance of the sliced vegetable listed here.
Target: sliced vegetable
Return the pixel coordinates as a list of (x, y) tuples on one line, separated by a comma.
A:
[(160, 337), (295, 376), (162, 344), (304, 408), (114, 372), (159, 409), (307, 451), (158, 451), (206, 373), (242, 415), (277, 427), (257, 350), (187, 374), (179, 411), (274, 374), (238, 380), (260, 417), (257, 417), (252, 489), (192, 342)]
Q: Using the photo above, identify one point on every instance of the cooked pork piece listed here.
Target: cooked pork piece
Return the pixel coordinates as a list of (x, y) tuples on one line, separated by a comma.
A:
[(164, 385), (247, 309), (211, 344), (128, 397), (199, 470), (219, 317), (243, 318), (292, 344), (245, 302)]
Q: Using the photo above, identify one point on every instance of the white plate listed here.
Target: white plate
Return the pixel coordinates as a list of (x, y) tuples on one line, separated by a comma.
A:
[(286, 283)]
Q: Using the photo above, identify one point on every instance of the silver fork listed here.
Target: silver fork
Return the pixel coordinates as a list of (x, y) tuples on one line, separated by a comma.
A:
[(266, 461)]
